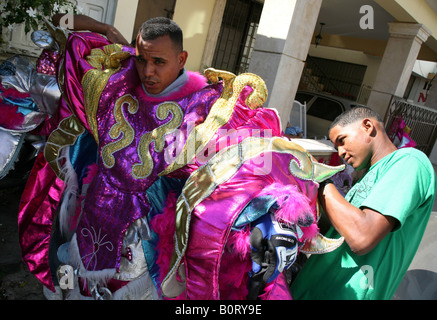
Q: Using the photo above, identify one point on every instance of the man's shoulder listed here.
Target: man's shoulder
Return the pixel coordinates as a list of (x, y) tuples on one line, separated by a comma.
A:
[(412, 156), (413, 162)]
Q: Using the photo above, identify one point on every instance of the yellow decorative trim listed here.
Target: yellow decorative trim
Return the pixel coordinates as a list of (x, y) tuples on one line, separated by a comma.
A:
[(220, 112), (106, 63), (143, 169), (121, 127), (69, 129)]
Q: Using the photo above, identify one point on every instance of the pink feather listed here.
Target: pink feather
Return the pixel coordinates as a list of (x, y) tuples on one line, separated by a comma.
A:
[(294, 206), (164, 225)]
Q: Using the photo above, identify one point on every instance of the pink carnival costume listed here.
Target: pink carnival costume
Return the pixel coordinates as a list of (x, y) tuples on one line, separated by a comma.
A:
[(156, 196)]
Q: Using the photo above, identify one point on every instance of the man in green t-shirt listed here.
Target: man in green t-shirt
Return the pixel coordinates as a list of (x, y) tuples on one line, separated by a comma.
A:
[(382, 218)]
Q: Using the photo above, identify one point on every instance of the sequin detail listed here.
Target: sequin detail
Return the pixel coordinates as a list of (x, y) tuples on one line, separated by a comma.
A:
[(66, 134)]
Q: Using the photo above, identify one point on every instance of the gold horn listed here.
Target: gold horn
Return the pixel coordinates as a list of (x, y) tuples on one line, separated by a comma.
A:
[(306, 168), (322, 171), (321, 244)]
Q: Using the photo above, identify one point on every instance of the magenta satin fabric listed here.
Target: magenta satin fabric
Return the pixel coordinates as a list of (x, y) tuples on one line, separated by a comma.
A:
[(43, 190), (115, 198), (35, 218), (212, 219)]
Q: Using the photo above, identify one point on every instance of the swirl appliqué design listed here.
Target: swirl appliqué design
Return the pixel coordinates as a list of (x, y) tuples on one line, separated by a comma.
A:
[(220, 112), (121, 128), (123, 133), (142, 170), (97, 243)]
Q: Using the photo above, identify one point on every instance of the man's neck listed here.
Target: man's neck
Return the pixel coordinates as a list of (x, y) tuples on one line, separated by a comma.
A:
[(383, 147)]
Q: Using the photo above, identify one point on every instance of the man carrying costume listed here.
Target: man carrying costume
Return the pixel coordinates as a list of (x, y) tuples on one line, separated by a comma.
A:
[(156, 180)]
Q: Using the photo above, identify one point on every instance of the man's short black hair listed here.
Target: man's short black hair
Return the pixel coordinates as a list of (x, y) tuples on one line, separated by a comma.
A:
[(353, 115), (158, 27)]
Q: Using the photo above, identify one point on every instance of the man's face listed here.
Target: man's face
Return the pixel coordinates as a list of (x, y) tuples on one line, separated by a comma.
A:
[(353, 143), (158, 63)]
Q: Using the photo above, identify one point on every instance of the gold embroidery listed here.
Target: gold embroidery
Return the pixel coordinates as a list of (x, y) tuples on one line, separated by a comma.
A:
[(106, 63), (143, 169), (69, 129), (220, 112), (122, 126)]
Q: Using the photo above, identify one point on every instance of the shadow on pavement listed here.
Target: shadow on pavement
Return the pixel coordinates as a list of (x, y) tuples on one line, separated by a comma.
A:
[(418, 285)]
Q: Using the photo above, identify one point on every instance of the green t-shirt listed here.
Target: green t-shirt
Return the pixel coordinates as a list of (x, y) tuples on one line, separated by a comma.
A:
[(401, 185)]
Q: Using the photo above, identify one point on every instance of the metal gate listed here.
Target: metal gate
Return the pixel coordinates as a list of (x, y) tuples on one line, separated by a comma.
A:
[(237, 35), (339, 78), (421, 120)]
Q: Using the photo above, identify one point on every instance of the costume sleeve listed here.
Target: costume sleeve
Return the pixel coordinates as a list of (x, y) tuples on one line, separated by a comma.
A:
[(401, 189), (78, 48)]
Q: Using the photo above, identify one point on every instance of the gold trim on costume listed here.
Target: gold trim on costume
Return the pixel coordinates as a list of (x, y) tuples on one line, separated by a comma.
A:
[(66, 134), (220, 112), (121, 127), (106, 63), (142, 170), (321, 244)]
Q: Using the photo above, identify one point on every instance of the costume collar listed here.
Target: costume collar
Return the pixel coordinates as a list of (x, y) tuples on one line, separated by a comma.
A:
[(174, 87)]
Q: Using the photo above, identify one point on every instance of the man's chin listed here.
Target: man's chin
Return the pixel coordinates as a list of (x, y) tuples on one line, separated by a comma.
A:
[(152, 89)]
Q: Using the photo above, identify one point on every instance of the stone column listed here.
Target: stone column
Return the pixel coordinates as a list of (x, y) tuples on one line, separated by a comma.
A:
[(397, 63), (281, 47)]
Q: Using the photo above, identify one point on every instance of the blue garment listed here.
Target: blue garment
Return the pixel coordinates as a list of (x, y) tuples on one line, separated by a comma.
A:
[(293, 131)]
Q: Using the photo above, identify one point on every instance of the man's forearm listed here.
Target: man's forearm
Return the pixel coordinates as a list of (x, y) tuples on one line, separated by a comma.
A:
[(361, 229), (85, 23), (340, 212), (82, 22)]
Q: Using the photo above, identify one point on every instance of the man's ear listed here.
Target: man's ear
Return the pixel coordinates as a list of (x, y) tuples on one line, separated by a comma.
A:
[(369, 127), (182, 59), (137, 40)]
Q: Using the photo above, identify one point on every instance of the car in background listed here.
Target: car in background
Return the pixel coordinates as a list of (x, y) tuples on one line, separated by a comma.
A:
[(322, 109)]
